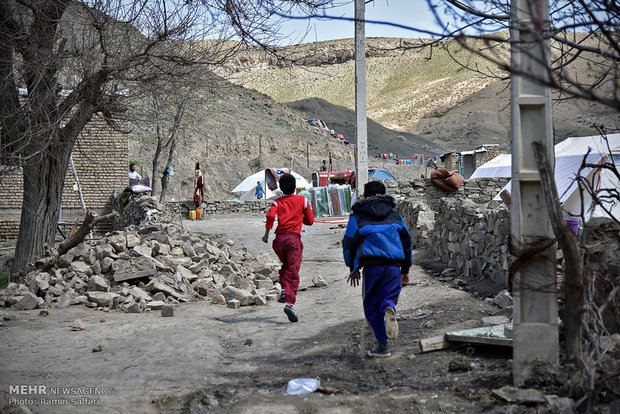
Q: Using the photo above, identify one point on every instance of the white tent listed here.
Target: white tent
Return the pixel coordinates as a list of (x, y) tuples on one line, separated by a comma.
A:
[(247, 187), (497, 167), (568, 157)]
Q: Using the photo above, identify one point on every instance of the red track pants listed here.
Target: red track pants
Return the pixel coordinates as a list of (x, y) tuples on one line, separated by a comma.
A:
[(289, 248)]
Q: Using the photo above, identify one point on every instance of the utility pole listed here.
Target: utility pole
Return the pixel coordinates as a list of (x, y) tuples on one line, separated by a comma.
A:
[(535, 316), (361, 132)]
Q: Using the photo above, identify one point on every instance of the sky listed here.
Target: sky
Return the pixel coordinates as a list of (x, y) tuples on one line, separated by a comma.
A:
[(403, 12)]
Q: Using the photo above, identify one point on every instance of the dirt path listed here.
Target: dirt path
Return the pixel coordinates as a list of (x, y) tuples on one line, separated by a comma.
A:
[(209, 358)]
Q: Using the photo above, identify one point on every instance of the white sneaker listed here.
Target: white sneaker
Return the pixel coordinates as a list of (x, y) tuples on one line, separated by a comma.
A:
[(391, 325)]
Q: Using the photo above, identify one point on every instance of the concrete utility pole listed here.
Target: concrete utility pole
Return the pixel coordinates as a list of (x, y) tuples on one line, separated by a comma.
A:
[(535, 315), (361, 132)]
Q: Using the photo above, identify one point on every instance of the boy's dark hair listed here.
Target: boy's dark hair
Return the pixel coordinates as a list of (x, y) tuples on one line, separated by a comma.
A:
[(287, 184), (373, 188)]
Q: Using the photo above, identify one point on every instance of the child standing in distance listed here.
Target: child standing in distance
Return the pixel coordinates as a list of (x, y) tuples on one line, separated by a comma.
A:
[(378, 240), (292, 210)]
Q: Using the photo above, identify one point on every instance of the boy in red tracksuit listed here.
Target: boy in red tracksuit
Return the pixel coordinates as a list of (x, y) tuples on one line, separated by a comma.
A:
[(292, 210)]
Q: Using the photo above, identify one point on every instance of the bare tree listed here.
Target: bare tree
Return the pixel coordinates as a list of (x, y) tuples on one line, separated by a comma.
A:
[(73, 59)]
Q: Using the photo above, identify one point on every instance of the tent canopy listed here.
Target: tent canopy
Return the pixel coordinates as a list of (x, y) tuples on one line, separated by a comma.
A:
[(381, 174), (569, 155), (247, 187), (497, 167)]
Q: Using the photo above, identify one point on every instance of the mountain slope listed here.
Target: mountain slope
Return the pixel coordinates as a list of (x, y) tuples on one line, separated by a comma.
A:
[(445, 94)]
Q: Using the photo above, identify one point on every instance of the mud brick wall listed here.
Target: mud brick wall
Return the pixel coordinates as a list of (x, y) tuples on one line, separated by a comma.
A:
[(101, 160), (8, 229)]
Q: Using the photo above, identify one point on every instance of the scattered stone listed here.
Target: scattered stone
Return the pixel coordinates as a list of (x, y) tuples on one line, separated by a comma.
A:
[(167, 311), (78, 325), (44, 312), (503, 299), (459, 365), (98, 283), (81, 267), (76, 301), (234, 304), (104, 299), (219, 299), (133, 308), (563, 405), (259, 300), (494, 320), (155, 305), (121, 277), (28, 302), (232, 293), (132, 240), (159, 296), (519, 395), (428, 324), (319, 282), (98, 348), (139, 294), (91, 305)]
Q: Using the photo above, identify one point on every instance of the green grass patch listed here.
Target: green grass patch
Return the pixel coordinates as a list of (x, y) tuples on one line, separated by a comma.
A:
[(4, 280)]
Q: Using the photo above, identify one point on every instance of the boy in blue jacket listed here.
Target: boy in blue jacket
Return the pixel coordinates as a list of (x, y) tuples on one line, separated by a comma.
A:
[(377, 240)]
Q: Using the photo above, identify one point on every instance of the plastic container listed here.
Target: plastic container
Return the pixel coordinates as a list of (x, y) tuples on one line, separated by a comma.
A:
[(192, 214), (300, 386), (574, 224), (198, 213)]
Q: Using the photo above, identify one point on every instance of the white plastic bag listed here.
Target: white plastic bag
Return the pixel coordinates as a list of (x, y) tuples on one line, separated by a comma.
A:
[(299, 386)]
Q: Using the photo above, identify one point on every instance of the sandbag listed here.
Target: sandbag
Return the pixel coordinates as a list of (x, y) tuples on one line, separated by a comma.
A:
[(449, 181)]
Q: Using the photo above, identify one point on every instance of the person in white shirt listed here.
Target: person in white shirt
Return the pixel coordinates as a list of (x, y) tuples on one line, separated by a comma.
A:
[(134, 177)]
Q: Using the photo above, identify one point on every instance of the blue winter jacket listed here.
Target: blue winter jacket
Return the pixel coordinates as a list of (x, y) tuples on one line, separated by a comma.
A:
[(376, 234)]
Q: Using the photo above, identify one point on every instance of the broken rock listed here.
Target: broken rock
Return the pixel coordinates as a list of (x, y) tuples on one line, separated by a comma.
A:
[(167, 311), (98, 283), (105, 299), (243, 296), (28, 302)]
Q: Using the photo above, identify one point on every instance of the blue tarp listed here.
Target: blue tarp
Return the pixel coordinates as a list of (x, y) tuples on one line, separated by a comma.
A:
[(381, 174)]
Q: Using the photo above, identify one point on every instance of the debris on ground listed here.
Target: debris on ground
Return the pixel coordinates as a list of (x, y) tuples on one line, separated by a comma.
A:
[(145, 266)]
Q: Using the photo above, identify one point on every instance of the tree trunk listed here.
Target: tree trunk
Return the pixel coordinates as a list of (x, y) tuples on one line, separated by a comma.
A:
[(156, 162), (573, 284), (90, 221), (164, 185), (44, 181)]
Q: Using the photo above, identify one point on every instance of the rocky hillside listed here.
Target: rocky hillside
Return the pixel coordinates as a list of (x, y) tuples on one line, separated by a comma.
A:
[(442, 94)]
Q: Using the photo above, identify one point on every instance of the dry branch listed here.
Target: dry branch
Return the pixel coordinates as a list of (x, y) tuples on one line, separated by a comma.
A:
[(90, 221), (568, 242)]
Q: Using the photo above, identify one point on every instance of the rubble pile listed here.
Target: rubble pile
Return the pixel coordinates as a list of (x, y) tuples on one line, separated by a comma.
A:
[(146, 267), (142, 208)]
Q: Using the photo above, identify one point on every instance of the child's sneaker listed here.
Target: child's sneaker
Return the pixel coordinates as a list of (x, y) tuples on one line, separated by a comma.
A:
[(292, 316), (381, 351), (391, 325), (282, 297)]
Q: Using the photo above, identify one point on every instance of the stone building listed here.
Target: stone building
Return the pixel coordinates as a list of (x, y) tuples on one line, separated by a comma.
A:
[(100, 158), (466, 162)]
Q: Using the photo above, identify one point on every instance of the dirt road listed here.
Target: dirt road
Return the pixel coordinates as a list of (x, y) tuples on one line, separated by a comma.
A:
[(208, 358)]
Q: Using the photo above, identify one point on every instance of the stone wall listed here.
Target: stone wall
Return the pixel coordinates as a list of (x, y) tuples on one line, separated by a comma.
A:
[(100, 159), (466, 229), (472, 239), (421, 195)]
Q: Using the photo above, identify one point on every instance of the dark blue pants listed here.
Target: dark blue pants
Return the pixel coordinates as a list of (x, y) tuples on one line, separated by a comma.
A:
[(380, 287)]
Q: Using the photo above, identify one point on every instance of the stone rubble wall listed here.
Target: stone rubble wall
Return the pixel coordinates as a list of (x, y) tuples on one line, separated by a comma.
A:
[(473, 239), (466, 230)]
